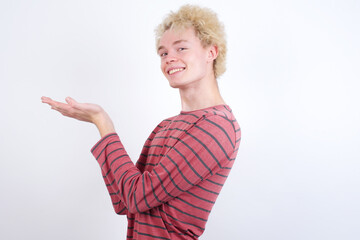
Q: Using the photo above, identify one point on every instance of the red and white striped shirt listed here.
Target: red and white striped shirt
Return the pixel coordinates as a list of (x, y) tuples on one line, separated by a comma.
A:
[(183, 165)]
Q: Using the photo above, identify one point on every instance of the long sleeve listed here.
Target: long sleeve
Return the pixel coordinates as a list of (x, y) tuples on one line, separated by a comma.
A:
[(189, 157), (118, 205)]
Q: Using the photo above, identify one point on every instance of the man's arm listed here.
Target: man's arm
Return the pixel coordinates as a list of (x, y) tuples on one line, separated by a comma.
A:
[(94, 114), (201, 152)]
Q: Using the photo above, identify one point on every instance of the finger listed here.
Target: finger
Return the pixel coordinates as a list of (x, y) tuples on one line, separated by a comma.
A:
[(60, 107), (71, 101), (46, 99), (50, 101), (54, 104)]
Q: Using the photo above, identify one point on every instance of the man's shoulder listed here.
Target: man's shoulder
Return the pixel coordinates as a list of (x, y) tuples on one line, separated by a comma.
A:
[(218, 110), (219, 114)]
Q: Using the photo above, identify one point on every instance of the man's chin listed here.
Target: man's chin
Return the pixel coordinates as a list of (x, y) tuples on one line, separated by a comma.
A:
[(173, 85)]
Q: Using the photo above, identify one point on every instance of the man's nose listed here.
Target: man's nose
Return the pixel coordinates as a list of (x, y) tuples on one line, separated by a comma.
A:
[(170, 58)]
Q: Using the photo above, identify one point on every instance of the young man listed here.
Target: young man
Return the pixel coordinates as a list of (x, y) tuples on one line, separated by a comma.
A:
[(184, 163)]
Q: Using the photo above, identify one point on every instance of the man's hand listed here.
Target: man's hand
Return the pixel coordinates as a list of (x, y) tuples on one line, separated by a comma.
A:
[(86, 112)]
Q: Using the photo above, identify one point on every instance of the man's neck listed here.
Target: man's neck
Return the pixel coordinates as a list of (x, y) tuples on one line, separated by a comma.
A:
[(200, 96)]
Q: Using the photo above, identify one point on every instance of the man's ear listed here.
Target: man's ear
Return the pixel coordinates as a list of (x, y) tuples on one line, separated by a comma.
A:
[(212, 53)]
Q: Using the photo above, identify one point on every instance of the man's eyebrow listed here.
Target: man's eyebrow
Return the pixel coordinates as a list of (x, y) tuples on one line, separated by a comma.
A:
[(174, 43), (159, 48), (179, 41)]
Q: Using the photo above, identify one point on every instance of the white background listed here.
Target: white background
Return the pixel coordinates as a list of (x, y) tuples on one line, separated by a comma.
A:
[(292, 81)]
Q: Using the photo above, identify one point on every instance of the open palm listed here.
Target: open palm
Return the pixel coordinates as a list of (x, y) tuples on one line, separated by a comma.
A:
[(87, 112)]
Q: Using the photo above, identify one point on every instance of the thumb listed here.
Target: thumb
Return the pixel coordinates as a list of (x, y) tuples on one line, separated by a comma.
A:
[(70, 101)]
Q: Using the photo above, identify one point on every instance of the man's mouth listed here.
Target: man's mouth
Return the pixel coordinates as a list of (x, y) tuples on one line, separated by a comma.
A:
[(175, 70)]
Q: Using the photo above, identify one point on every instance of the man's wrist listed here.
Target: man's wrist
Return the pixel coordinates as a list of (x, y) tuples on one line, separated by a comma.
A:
[(104, 124)]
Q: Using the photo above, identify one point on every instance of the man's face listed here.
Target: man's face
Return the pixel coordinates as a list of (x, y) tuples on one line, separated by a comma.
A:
[(184, 61)]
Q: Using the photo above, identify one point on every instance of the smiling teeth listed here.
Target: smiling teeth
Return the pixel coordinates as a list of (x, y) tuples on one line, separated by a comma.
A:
[(175, 70)]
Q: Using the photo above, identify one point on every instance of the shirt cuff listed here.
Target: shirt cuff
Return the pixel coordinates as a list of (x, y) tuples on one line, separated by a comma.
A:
[(95, 150)]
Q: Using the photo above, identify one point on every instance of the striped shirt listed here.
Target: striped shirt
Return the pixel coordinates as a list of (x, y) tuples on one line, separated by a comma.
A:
[(183, 165)]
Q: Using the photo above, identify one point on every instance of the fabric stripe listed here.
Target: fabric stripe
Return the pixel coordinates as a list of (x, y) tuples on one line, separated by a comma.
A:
[(101, 141)]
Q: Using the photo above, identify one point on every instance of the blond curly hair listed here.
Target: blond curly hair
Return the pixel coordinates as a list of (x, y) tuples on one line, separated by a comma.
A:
[(207, 26)]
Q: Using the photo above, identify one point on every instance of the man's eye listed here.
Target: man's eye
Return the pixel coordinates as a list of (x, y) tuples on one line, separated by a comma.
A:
[(163, 54), (182, 49)]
